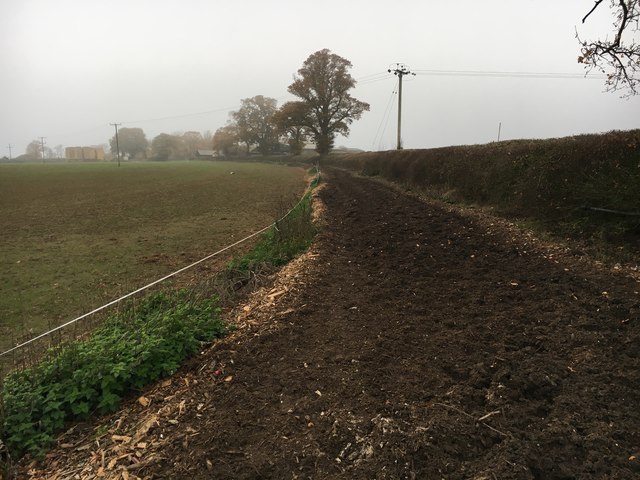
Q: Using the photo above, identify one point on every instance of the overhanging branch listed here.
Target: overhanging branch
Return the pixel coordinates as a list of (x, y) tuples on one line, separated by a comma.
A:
[(598, 2)]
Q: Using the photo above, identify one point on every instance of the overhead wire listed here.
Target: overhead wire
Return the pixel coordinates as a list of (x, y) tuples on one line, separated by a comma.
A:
[(372, 78), (185, 115), (367, 77), (384, 130), (380, 76), (506, 74), (385, 116)]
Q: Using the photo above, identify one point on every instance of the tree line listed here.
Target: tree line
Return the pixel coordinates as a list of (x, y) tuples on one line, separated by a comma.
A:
[(324, 109)]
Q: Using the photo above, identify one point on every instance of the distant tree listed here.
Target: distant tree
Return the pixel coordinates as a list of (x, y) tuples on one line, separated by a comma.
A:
[(132, 142), (168, 147), (289, 122), (207, 139), (225, 140), (323, 84), (58, 151), (192, 142), (34, 150), (254, 123), (618, 58)]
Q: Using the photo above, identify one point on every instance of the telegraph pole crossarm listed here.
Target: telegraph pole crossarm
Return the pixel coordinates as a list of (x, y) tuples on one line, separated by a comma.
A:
[(400, 71)]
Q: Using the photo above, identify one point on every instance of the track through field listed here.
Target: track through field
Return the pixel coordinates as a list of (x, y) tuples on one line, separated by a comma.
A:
[(417, 343)]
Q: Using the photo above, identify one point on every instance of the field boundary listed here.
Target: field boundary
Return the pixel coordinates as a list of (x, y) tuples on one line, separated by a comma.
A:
[(160, 280), (583, 187)]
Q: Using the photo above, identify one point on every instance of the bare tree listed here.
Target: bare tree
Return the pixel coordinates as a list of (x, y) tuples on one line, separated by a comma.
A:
[(618, 58), (34, 150), (58, 151)]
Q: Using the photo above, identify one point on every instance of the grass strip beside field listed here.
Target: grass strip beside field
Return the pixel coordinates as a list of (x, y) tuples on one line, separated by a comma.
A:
[(282, 242)]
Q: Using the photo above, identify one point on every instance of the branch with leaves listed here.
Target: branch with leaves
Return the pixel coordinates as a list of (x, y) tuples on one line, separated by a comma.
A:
[(619, 58)]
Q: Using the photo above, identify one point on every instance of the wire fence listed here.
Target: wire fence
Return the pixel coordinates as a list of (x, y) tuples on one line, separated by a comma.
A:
[(28, 350)]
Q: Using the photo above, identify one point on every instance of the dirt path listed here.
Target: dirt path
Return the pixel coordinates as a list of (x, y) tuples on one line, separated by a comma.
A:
[(417, 344)]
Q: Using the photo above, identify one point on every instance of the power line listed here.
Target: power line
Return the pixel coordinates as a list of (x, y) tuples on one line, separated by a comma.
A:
[(365, 77), (186, 115), (502, 74), (373, 78), (385, 118)]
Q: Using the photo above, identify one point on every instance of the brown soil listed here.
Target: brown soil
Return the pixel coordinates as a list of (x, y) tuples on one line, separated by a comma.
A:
[(415, 343)]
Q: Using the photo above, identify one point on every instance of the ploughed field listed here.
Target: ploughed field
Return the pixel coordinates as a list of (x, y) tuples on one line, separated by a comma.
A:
[(74, 236), (414, 342)]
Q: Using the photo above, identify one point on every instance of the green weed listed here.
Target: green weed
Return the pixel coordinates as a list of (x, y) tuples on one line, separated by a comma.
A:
[(282, 242), (130, 350)]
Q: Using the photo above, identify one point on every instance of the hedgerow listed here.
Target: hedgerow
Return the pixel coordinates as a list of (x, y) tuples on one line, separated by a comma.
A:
[(584, 186)]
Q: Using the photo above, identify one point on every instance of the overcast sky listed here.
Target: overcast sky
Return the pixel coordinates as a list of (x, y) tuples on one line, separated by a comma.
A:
[(71, 67)]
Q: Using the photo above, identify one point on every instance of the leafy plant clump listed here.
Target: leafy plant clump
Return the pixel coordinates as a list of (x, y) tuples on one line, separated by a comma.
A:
[(130, 350), (283, 241)]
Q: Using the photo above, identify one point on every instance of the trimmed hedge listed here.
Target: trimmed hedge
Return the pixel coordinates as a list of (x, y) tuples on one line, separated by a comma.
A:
[(555, 180)]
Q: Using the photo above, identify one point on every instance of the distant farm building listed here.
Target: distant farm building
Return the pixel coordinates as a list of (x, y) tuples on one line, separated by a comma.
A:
[(84, 154), (206, 154)]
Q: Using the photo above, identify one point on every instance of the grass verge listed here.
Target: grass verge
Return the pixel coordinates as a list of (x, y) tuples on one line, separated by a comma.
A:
[(282, 242)]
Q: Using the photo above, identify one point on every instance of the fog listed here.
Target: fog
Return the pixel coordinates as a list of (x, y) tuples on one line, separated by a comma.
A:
[(72, 67)]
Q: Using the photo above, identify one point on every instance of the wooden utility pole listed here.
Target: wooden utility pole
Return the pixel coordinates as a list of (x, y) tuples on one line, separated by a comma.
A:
[(42, 147), (400, 70), (117, 143), (9, 152)]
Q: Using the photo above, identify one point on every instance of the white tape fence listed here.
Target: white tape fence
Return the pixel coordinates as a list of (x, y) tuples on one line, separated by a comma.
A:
[(155, 282)]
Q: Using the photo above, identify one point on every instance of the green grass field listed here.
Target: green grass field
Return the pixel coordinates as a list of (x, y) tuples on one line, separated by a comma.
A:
[(74, 236)]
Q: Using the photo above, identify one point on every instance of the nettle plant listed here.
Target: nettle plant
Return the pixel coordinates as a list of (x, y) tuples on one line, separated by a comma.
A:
[(130, 350)]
